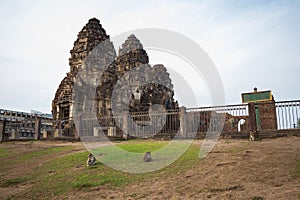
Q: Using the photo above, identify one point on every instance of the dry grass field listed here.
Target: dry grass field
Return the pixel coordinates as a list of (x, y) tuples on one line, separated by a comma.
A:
[(235, 169)]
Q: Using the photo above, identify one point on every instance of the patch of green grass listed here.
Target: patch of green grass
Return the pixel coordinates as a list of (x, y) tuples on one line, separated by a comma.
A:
[(64, 174), (143, 147), (43, 152), (54, 177), (91, 180), (129, 156), (185, 162), (14, 181), (4, 152), (64, 163)]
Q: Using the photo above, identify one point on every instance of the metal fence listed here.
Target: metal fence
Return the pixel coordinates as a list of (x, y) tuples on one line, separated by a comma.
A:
[(265, 116), (231, 118), (148, 124), (288, 114), (240, 118), (137, 124), (234, 110)]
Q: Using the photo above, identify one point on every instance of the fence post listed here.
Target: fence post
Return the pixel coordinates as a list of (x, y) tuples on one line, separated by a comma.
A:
[(125, 124), (182, 117), (37, 128), (3, 136), (252, 118), (14, 135), (77, 130)]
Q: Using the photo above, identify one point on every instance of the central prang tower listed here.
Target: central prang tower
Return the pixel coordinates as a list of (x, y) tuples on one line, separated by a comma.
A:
[(131, 68)]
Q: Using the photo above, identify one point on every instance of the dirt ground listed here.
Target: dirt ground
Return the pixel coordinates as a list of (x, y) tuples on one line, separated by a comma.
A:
[(235, 169)]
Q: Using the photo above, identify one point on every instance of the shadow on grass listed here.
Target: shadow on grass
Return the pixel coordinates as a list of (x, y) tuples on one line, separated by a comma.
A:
[(14, 181)]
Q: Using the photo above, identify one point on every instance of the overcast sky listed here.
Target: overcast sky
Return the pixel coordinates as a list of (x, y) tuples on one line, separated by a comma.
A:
[(252, 43)]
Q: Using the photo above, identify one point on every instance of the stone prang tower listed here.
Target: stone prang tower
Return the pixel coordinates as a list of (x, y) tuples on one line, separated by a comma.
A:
[(91, 35), (126, 82)]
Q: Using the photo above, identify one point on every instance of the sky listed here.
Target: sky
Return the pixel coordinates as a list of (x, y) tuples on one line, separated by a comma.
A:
[(251, 43)]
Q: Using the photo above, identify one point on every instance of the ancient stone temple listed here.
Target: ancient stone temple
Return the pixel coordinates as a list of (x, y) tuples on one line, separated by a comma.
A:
[(88, 38), (123, 83)]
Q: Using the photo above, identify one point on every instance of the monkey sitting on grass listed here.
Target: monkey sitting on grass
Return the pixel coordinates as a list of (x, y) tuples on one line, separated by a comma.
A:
[(147, 157), (91, 160)]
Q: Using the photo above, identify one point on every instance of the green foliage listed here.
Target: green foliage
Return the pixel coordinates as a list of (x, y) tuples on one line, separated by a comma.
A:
[(298, 124)]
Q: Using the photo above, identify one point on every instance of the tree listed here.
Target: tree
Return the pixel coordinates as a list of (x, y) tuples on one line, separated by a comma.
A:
[(298, 124)]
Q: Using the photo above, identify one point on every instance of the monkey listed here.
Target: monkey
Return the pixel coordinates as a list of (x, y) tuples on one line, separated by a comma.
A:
[(147, 157), (251, 137), (91, 160)]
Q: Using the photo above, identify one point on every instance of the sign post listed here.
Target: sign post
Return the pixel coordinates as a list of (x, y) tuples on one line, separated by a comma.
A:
[(253, 99)]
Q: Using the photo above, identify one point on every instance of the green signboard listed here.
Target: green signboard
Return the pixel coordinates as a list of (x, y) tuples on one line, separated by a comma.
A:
[(257, 96)]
